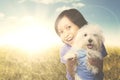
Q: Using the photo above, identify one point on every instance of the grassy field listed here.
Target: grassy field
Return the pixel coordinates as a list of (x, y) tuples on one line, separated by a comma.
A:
[(19, 65)]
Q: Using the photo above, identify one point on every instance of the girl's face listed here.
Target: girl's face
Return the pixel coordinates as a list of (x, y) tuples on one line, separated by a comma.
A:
[(67, 30)]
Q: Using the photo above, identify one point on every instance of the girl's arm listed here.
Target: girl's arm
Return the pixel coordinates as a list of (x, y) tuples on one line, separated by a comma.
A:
[(68, 63), (70, 67), (96, 62)]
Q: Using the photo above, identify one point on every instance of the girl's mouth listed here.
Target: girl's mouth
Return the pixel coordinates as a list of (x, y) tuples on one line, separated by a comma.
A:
[(69, 38)]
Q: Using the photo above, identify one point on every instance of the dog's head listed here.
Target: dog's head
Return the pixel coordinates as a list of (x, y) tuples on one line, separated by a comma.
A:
[(89, 37)]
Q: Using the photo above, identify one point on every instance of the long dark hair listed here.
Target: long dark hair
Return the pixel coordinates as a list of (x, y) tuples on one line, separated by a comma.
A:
[(73, 15)]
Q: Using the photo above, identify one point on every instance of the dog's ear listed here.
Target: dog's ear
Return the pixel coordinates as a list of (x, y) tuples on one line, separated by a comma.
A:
[(97, 29), (100, 34)]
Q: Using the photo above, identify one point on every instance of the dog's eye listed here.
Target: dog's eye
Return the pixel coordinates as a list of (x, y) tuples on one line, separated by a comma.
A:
[(85, 35)]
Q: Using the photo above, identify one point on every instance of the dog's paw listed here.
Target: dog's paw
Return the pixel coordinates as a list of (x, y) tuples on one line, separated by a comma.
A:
[(92, 68), (94, 54), (95, 70), (69, 55)]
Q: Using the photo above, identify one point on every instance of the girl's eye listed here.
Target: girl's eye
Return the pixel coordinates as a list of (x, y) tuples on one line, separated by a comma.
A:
[(60, 32), (85, 35), (68, 27), (95, 34)]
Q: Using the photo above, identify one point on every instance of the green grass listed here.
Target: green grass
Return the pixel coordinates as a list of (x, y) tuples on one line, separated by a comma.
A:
[(18, 65)]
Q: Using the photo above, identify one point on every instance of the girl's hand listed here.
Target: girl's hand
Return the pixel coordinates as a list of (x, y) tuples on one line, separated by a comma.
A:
[(96, 62), (70, 66)]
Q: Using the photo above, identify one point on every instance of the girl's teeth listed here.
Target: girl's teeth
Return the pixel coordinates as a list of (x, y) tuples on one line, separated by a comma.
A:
[(69, 39)]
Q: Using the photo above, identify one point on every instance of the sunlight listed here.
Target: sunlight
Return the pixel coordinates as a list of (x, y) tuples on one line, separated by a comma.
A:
[(30, 36)]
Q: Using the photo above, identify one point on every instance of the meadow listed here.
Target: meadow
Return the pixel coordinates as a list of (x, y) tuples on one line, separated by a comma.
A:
[(19, 65)]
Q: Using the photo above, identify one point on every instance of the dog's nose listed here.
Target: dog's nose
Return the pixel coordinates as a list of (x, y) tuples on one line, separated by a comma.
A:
[(90, 40)]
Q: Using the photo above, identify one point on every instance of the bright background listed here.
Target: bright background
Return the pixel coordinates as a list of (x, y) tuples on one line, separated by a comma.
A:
[(29, 24)]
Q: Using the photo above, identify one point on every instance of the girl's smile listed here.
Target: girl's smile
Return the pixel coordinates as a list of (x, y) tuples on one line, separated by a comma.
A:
[(69, 38)]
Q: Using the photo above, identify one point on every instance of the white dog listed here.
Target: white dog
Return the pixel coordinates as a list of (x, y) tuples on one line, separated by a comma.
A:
[(89, 38)]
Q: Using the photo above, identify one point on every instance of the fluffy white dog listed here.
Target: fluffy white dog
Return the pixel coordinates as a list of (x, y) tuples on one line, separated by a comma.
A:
[(89, 38)]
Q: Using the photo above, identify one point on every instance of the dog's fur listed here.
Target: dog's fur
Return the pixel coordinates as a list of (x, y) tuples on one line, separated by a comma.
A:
[(90, 38)]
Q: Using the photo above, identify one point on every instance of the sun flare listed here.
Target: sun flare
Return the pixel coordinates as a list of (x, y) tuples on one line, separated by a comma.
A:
[(30, 36)]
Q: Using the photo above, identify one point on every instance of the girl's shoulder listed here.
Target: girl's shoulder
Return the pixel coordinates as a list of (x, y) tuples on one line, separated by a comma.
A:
[(64, 49)]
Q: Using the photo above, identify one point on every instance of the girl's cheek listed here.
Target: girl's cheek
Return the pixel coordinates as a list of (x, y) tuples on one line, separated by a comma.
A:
[(62, 38)]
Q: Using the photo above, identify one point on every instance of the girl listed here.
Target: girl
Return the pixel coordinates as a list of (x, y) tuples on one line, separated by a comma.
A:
[(66, 26)]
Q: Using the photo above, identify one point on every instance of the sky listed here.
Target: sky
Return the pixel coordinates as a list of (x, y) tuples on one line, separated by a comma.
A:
[(29, 24)]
